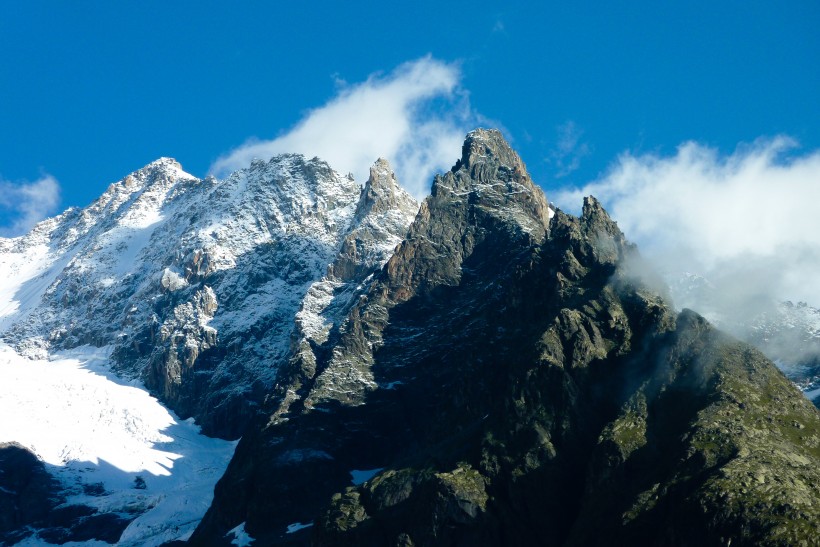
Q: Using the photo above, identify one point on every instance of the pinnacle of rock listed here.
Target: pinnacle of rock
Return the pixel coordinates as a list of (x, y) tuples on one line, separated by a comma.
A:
[(483, 144), (383, 192)]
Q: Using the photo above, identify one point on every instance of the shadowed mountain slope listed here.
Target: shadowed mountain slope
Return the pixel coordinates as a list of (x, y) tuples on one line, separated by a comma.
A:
[(506, 379)]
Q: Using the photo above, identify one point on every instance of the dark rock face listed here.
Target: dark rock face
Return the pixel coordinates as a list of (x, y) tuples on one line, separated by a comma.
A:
[(26, 490), (31, 500), (509, 379)]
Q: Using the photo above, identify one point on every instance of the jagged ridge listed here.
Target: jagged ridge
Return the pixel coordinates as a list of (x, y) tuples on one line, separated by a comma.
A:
[(508, 380), (195, 284)]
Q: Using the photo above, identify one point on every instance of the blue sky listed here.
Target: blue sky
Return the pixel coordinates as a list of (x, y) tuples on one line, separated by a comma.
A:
[(92, 91)]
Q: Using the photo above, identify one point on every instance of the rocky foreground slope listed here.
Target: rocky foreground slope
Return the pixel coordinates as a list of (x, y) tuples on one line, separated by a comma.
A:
[(506, 379)]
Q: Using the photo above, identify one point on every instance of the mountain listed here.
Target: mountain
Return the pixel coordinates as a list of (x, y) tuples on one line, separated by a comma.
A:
[(477, 369), (195, 284), (790, 335), (509, 379), (196, 290)]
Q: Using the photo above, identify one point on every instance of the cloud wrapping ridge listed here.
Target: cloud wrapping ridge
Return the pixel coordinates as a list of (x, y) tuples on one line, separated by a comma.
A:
[(415, 117), (27, 203), (747, 221)]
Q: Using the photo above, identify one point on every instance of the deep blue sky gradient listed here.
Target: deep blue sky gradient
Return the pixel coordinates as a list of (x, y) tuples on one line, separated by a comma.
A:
[(92, 91)]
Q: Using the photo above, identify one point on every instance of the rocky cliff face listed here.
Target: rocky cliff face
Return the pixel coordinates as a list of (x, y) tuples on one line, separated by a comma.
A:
[(505, 379), (195, 284)]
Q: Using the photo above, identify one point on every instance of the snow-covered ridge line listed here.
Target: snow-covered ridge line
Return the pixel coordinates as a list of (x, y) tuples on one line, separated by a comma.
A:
[(166, 268), (197, 290)]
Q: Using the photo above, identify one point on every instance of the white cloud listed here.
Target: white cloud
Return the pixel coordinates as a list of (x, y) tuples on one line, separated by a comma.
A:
[(416, 117), (747, 221), (569, 150), (27, 203)]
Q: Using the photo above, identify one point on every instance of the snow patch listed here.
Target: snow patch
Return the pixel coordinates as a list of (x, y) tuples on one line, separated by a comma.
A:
[(172, 281), (240, 537), (296, 526)]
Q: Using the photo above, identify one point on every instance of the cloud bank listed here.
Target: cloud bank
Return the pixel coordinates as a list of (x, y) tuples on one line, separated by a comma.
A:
[(25, 204), (747, 221), (415, 117)]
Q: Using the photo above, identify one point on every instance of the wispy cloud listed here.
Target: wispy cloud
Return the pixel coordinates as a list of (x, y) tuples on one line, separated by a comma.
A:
[(569, 150), (415, 116), (24, 204), (747, 221)]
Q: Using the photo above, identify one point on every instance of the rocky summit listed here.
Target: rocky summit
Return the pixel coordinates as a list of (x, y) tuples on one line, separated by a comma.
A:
[(479, 369)]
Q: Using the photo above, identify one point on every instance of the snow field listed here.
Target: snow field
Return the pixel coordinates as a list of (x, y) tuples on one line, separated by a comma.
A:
[(92, 428)]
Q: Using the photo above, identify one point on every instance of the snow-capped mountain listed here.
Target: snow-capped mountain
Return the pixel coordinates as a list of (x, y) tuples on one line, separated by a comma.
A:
[(195, 284), (196, 289), (476, 370)]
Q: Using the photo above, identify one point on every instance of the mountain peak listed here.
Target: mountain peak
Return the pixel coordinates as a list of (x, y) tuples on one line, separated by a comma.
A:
[(481, 144), (492, 176), (165, 161), (164, 165), (162, 169), (382, 192), (382, 175)]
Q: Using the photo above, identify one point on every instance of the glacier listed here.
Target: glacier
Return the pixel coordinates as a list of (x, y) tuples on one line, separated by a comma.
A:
[(100, 434)]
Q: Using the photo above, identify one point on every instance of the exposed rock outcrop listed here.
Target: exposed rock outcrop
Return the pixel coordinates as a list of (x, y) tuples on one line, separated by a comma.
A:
[(27, 491)]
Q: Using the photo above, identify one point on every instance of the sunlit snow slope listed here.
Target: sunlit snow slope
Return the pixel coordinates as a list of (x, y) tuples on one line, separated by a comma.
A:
[(102, 437)]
